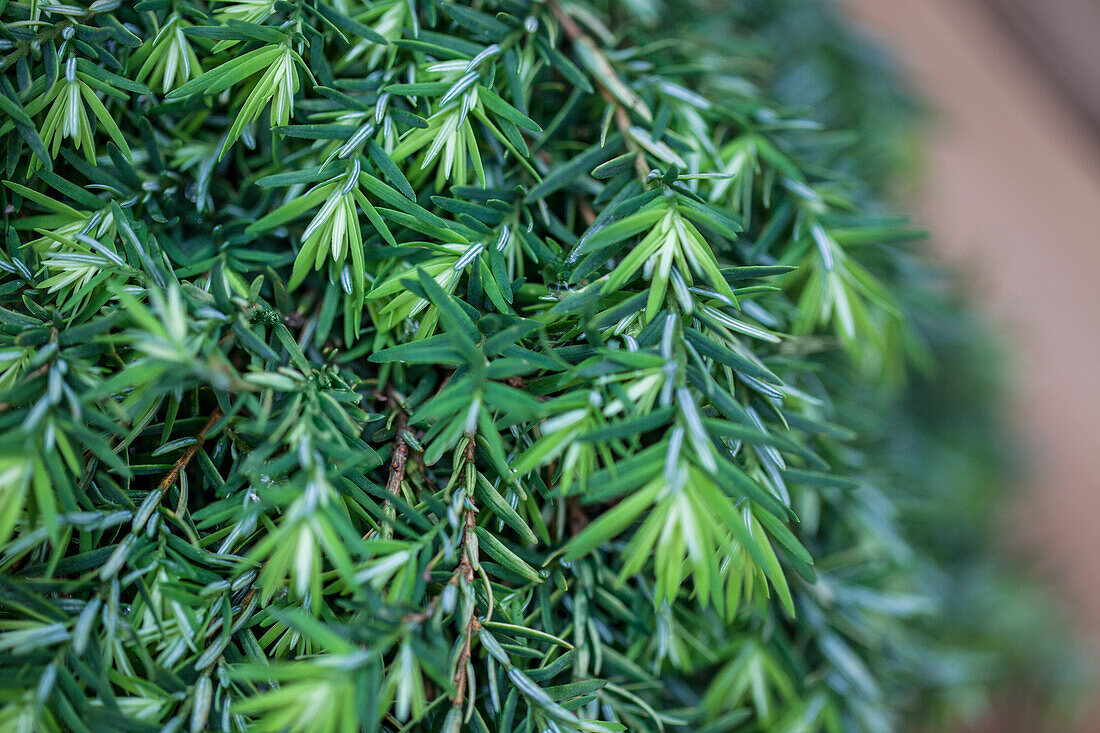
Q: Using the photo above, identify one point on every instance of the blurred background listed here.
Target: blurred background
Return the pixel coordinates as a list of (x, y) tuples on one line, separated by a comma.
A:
[(1008, 182)]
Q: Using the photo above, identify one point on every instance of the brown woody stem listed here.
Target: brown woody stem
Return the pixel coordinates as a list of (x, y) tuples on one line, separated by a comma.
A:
[(622, 116), (465, 573), (400, 455), (182, 461)]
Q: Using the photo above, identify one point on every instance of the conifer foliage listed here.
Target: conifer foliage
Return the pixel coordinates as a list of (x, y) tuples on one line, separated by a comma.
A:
[(418, 365)]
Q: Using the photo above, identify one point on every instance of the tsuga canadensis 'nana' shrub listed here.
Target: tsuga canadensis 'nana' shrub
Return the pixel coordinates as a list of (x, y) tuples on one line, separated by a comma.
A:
[(506, 365)]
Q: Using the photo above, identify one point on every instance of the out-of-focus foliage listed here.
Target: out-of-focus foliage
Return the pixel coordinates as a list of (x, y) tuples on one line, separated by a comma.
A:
[(817, 61), (502, 366)]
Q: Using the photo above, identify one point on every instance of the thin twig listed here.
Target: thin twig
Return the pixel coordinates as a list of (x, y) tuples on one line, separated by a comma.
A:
[(622, 116), (400, 454), (465, 571), (463, 660), (182, 461), (50, 33)]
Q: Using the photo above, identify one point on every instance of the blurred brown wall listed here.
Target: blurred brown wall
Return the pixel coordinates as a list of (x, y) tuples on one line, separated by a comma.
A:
[(1061, 37), (1012, 195)]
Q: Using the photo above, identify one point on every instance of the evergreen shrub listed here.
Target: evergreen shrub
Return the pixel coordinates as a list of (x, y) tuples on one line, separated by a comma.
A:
[(416, 365)]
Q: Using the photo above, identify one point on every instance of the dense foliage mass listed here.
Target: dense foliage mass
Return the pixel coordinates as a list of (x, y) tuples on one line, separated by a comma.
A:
[(502, 366)]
